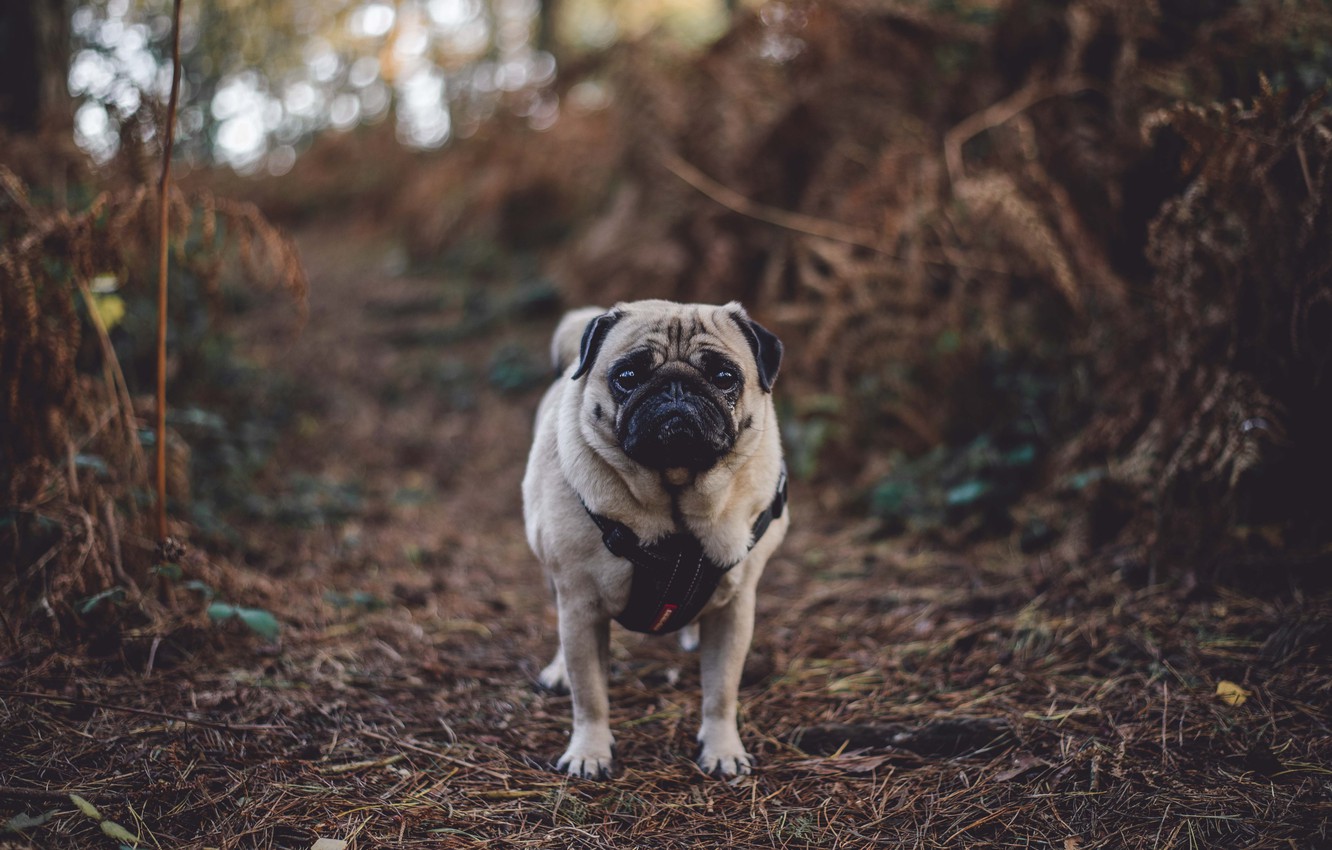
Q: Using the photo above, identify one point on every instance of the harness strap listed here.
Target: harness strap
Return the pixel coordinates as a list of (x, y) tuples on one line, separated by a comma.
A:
[(673, 578)]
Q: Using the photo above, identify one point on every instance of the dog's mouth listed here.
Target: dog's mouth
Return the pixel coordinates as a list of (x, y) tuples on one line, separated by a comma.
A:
[(676, 425)]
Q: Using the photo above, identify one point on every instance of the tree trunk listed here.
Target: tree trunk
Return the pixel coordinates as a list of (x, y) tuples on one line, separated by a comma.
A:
[(547, 38), (34, 65)]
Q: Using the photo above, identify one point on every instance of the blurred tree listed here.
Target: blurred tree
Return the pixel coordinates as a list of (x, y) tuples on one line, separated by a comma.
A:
[(34, 61), (262, 76)]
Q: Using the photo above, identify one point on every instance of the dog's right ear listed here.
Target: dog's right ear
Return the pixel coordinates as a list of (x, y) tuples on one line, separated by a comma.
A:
[(593, 336)]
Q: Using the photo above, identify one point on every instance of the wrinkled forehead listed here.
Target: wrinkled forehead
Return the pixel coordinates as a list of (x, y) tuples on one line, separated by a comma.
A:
[(682, 335)]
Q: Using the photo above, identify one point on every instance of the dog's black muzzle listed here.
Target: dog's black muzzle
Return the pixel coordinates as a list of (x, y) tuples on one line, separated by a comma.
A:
[(677, 420)]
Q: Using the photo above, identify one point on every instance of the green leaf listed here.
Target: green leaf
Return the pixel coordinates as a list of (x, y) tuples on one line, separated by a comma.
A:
[(967, 493), (84, 806), (1023, 455), (114, 830), (195, 584), (96, 599), (221, 611), (171, 571), (259, 621), (20, 822)]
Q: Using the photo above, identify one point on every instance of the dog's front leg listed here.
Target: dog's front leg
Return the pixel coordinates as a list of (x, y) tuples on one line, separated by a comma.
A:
[(724, 637), (585, 644)]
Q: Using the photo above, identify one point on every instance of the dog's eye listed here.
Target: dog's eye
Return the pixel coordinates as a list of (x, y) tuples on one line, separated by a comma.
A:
[(627, 380), (724, 379)]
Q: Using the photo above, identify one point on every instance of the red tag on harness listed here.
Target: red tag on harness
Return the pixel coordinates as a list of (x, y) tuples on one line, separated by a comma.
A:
[(662, 616)]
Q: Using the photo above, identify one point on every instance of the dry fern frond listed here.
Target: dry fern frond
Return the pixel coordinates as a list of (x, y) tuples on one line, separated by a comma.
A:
[(61, 459), (996, 201)]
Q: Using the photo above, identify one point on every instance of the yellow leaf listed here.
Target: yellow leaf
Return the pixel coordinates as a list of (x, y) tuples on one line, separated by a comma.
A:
[(1231, 693), (84, 806), (110, 309)]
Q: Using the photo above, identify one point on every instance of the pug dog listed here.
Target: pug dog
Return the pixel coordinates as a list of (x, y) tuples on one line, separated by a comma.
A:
[(655, 494)]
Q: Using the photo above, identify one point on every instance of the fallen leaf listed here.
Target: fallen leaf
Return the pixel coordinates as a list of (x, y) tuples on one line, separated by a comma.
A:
[(114, 830), (21, 821), (1231, 693), (329, 844), (260, 621), (84, 806)]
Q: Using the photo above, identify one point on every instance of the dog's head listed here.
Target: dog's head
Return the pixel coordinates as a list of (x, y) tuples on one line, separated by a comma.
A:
[(675, 385)]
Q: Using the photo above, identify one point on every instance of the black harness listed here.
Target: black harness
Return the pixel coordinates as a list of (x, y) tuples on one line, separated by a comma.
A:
[(673, 578)]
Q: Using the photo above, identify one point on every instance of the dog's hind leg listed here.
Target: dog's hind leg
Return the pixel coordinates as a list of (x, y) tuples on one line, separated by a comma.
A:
[(689, 637), (555, 676)]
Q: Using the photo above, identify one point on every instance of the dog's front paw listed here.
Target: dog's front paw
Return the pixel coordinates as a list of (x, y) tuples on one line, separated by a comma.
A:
[(725, 759), (583, 764), (588, 756)]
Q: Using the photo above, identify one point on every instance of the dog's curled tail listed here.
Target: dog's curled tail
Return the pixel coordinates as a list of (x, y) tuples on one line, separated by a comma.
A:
[(568, 334)]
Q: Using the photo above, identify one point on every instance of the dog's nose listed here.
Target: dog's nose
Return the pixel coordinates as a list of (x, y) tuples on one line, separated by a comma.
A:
[(677, 391)]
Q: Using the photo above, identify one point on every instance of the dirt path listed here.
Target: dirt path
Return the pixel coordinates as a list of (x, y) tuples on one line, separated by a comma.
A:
[(893, 697), (410, 425)]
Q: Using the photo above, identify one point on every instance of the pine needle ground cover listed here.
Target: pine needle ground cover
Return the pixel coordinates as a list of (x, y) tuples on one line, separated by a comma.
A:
[(1005, 718)]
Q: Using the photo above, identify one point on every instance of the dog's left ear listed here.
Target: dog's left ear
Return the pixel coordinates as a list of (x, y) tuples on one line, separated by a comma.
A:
[(764, 343), (593, 336)]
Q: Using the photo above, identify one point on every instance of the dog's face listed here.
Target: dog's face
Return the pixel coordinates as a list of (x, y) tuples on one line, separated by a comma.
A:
[(675, 385)]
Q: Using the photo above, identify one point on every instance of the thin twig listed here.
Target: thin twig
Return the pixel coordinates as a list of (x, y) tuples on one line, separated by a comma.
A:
[(8, 792), (146, 712), (798, 222), (415, 747), (999, 113), (163, 220)]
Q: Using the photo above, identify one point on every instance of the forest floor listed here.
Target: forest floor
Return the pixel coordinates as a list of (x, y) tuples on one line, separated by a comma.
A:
[(895, 696)]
